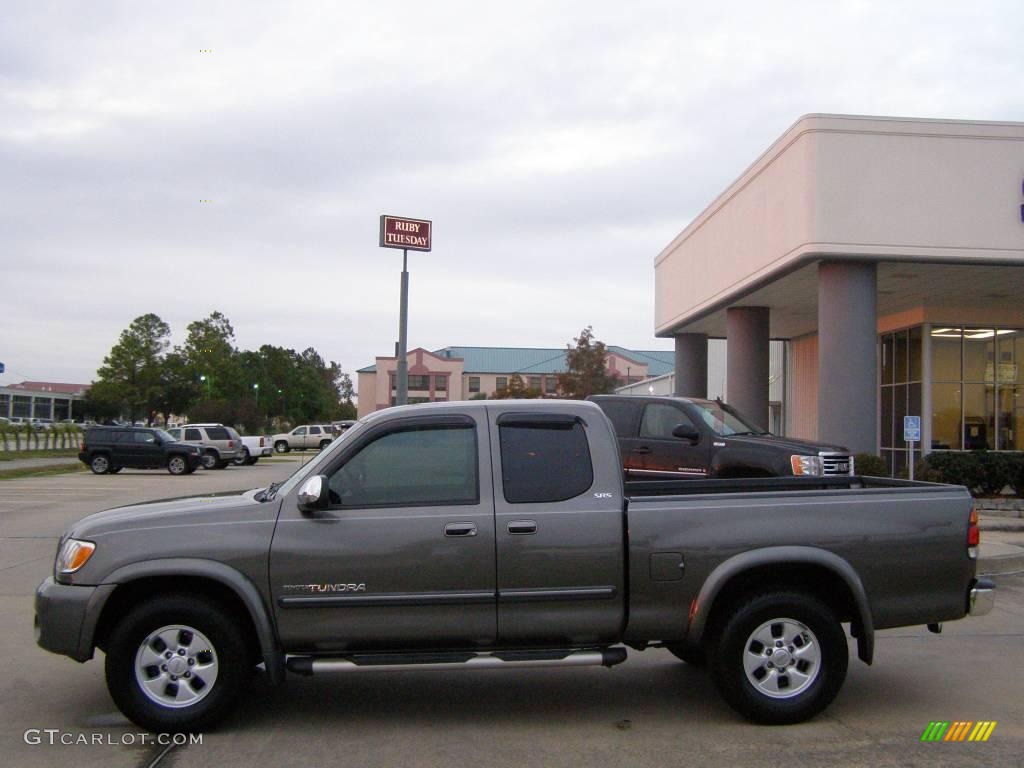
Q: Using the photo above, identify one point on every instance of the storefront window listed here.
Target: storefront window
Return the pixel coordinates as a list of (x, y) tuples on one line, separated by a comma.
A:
[(946, 354), (901, 392), (973, 370)]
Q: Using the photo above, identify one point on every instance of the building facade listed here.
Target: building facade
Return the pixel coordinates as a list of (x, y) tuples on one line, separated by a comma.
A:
[(464, 373), (41, 400), (889, 254)]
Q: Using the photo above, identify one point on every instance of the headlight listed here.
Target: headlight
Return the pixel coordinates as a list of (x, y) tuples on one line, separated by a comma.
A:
[(73, 555), (806, 465)]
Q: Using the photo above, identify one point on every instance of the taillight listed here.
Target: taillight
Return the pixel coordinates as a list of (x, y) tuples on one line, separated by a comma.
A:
[(973, 535), (231, 443), (81, 447), (261, 442)]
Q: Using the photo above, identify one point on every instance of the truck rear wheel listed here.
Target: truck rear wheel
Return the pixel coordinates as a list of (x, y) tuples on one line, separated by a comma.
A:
[(176, 663), (780, 658)]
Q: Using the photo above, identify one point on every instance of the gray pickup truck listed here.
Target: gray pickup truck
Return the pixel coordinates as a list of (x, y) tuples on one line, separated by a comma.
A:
[(501, 535)]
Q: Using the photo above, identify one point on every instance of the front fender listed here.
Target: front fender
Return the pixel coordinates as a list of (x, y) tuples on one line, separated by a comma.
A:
[(225, 575), (745, 561)]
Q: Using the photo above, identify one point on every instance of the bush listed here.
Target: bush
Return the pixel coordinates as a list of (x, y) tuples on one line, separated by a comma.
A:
[(982, 472), (870, 465), (997, 471), (1017, 476), (957, 469)]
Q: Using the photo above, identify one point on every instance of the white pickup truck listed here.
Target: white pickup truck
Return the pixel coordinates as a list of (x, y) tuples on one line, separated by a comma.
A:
[(253, 448)]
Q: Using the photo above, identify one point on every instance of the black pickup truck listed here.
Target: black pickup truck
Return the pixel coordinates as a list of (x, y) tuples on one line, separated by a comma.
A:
[(500, 534), (686, 437)]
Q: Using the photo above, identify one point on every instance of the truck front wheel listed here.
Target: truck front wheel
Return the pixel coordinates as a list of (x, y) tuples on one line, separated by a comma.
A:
[(176, 663), (780, 658)]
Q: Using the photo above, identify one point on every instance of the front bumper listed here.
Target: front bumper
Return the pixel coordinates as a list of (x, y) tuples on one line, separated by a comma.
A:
[(66, 617), (982, 597)]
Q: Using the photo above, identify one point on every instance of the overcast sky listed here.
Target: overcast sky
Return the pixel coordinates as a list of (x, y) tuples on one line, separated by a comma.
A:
[(557, 146)]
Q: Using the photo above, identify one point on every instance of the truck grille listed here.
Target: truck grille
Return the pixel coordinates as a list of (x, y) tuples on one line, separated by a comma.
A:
[(836, 463)]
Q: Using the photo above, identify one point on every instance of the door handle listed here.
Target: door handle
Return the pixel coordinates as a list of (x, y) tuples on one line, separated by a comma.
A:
[(642, 449), (522, 527), (460, 529)]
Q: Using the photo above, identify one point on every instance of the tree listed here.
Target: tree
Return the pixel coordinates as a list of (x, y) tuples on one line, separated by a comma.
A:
[(178, 386), (210, 352), (586, 368), (130, 374), (516, 389)]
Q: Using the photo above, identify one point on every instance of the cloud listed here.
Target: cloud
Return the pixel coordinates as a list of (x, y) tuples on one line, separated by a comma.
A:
[(558, 148)]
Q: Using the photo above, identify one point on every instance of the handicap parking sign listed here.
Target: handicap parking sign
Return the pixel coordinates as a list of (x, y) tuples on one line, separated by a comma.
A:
[(912, 429)]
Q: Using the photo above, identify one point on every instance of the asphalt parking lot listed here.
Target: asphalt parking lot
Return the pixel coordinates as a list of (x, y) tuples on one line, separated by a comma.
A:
[(652, 710)]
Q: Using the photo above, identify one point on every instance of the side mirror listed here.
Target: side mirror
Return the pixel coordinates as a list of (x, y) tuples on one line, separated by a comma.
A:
[(686, 432), (313, 494)]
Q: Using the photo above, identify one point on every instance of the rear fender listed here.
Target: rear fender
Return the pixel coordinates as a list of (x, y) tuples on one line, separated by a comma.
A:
[(744, 562)]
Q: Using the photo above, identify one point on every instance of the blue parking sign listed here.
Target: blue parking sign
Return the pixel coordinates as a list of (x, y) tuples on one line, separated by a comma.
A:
[(912, 429)]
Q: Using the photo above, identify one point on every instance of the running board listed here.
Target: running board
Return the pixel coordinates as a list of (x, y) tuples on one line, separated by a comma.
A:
[(607, 657)]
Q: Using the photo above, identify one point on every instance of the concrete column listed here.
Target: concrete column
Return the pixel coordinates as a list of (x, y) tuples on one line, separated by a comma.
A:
[(747, 359), (847, 356), (691, 374)]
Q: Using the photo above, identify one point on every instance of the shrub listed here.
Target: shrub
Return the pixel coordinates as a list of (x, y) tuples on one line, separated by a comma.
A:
[(957, 468), (870, 465), (996, 471), (1017, 475)]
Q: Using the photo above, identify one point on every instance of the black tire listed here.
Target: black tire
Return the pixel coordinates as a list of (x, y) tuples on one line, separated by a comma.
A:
[(177, 464), (252, 460), (241, 458), (99, 464), (692, 656), (115, 470), (324, 444), (820, 681), (222, 464), (281, 446), (210, 459), (128, 638)]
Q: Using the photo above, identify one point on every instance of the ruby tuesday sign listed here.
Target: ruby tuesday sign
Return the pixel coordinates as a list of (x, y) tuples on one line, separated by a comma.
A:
[(400, 232)]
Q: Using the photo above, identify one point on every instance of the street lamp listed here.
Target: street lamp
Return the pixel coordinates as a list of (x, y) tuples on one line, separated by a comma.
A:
[(256, 392), (206, 378)]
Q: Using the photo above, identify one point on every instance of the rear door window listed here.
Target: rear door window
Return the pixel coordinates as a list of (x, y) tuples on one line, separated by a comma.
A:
[(544, 462), (194, 435), (314, 430), (623, 417), (217, 433)]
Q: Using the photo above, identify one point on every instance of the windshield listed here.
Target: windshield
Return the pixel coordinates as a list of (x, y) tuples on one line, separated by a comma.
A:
[(165, 437), (725, 421)]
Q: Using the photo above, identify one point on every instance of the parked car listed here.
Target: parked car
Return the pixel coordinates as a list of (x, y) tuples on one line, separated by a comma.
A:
[(107, 450), (253, 447), (687, 437), (306, 436), (499, 534), (342, 426), (219, 448)]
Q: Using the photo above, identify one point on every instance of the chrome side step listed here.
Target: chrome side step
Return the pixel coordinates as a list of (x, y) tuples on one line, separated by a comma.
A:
[(309, 665)]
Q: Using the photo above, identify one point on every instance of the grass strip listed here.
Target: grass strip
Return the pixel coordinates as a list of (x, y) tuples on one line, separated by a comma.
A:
[(43, 471)]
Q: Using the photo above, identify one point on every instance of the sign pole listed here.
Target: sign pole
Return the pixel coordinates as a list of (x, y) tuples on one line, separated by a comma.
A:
[(407, 234), (402, 374), (911, 459)]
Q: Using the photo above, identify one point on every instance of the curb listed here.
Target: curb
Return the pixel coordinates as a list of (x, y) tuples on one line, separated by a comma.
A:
[(1003, 565)]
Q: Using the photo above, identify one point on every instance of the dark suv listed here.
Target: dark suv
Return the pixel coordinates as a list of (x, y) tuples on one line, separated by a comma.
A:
[(110, 449)]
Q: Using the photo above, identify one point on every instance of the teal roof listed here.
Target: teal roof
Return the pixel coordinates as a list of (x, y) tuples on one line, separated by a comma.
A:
[(539, 360)]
